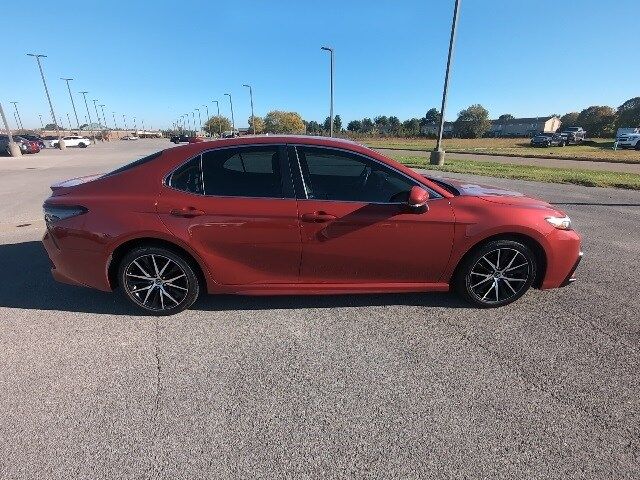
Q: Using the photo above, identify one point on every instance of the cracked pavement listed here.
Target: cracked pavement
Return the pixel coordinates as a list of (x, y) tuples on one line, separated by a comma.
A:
[(382, 386)]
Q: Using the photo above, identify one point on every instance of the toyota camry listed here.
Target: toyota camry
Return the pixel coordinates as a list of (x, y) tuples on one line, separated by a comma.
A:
[(283, 215)]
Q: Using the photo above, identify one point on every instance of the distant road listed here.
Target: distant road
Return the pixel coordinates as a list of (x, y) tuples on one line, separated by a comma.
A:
[(541, 162)]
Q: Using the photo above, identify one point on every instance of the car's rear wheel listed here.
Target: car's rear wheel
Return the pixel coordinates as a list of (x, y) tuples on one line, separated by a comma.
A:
[(82, 145), (638, 145), (496, 274), (158, 280)]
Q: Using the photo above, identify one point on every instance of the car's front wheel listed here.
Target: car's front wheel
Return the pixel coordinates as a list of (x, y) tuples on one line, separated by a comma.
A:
[(158, 280), (496, 274), (82, 145)]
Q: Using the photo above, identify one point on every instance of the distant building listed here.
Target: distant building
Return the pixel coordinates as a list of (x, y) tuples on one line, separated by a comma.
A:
[(514, 127)]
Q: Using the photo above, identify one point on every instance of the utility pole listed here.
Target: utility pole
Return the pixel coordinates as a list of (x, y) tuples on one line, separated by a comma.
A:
[(72, 102), (330, 50), (18, 119), (233, 122), (13, 148), (437, 155), (253, 118), (61, 144)]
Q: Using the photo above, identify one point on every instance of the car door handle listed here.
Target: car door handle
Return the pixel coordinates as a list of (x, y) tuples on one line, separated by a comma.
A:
[(187, 212), (317, 217)]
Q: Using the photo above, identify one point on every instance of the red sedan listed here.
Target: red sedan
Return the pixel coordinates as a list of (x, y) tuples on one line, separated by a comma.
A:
[(284, 215)]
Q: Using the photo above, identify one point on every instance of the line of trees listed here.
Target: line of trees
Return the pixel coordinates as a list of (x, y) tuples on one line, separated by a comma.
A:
[(472, 122)]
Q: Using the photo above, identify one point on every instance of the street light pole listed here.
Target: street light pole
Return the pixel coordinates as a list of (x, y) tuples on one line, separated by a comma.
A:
[(233, 122), (199, 120), (13, 148), (41, 124), (115, 124), (72, 102), (15, 105), (330, 50), (219, 122), (253, 118), (61, 144), (207, 108), (69, 120), (437, 155), (95, 106), (124, 120), (193, 118), (103, 117), (84, 95)]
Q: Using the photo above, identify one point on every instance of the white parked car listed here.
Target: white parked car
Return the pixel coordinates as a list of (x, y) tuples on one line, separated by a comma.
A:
[(130, 137), (628, 140), (71, 141)]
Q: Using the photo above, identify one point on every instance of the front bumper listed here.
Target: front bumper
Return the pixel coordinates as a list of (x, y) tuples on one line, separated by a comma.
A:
[(570, 278), (563, 253)]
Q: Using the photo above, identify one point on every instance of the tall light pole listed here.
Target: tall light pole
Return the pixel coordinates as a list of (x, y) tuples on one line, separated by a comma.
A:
[(219, 122), (437, 155), (93, 134), (135, 125), (115, 124), (207, 109), (103, 117), (95, 106), (233, 122), (253, 120), (41, 123), (199, 120), (72, 102), (124, 120), (69, 120), (14, 150), (330, 50), (19, 120), (37, 56), (193, 118)]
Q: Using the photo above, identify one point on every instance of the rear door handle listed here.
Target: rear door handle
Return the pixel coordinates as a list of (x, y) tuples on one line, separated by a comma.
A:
[(318, 217), (187, 212)]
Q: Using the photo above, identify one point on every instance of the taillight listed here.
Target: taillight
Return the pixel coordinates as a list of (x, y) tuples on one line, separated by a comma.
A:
[(55, 213)]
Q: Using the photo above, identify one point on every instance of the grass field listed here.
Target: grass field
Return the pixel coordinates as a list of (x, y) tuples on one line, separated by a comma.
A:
[(598, 149), (588, 178)]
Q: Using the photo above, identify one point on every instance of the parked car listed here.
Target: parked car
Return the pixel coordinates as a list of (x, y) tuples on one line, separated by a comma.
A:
[(29, 146), (573, 135), (627, 130), (628, 140), (72, 141), (130, 137), (548, 140), (35, 138), (179, 139), (196, 139), (283, 215), (22, 144)]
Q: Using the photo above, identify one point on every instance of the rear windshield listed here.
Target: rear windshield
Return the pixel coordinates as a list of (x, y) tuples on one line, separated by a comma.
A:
[(135, 163)]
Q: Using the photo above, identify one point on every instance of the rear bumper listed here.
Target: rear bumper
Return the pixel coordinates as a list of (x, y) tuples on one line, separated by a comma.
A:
[(77, 267)]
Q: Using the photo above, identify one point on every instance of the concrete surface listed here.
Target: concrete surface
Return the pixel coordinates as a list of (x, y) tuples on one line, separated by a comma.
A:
[(540, 162), (379, 386)]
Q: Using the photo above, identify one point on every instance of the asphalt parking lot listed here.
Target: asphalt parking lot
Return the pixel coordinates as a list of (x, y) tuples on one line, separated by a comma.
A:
[(383, 386)]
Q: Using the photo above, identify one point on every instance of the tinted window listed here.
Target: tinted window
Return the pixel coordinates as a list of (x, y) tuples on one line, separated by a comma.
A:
[(243, 172), (188, 177), (335, 175), (134, 164)]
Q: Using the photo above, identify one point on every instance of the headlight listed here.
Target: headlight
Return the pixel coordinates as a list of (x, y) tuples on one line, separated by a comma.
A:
[(562, 223)]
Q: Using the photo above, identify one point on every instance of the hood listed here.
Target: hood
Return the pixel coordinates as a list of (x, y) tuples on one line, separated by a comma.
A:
[(59, 187), (494, 194)]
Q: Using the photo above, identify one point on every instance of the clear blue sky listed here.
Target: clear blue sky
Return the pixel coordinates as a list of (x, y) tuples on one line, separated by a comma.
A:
[(159, 59)]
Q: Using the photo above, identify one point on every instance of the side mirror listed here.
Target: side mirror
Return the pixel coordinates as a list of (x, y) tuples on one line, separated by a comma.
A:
[(417, 202)]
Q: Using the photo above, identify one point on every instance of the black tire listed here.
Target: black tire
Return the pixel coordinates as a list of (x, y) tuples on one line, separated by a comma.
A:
[(637, 145), (158, 280), (82, 145), (478, 271)]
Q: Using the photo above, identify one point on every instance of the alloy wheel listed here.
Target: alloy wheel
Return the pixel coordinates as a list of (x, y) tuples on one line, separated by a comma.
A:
[(499, 275), (156, 282)]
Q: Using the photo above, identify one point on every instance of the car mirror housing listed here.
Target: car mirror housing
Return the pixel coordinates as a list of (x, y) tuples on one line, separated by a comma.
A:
[(417, 202)]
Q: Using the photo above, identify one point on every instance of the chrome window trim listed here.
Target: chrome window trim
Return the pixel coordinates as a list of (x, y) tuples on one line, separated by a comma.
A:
[(167, 178), (437, 196)]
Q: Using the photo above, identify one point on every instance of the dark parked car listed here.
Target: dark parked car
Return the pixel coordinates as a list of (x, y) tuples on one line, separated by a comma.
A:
[(548, 140), (35, 138), (179, 139), (25, 145), (573, 135)]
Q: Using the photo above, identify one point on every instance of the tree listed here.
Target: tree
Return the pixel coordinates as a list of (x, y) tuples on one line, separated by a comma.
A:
[(259, 122), (278, 121), (598, 121), (52, 126), (337, 123), (506, 116), (367, 125), (354, 126), (569, 119), (381, 121), (394, 125), (472, 122), (629, 113), (411, 127), (217, 124), (313, 127), (432, 116)]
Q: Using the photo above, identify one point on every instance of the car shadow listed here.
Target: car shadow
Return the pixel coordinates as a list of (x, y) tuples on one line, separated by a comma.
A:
[(28, 284)]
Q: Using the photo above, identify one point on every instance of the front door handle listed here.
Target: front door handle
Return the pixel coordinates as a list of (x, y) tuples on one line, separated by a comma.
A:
[(318, 217), (187, 212)]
